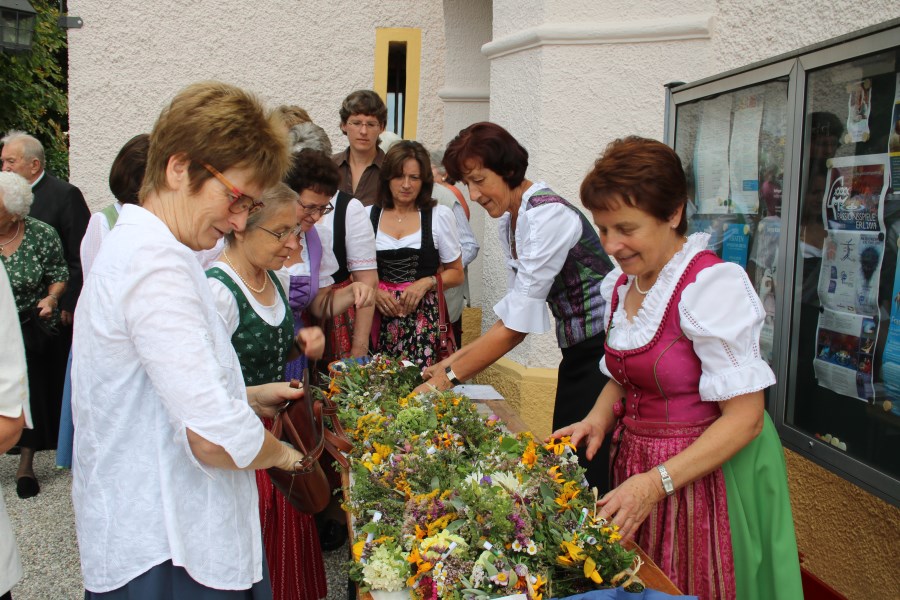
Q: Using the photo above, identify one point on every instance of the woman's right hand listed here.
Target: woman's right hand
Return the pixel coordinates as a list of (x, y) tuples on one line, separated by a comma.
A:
[(289, 459), (583, 433), (387, 304), (311, 341), (46, 307)]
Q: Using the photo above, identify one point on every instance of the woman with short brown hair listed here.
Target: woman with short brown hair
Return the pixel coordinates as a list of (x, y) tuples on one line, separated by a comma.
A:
[(699, 474)]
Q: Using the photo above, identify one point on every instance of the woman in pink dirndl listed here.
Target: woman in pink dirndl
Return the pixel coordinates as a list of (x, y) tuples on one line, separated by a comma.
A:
[(698, 470)]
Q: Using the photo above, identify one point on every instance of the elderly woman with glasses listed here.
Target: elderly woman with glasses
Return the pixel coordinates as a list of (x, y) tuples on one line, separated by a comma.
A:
[(254, 307), (167, 435)]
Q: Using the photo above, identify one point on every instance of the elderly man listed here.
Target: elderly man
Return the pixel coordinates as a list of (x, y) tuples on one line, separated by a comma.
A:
[(56, 202)]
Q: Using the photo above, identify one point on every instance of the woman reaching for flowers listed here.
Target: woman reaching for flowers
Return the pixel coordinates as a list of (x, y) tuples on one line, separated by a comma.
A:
[(699, 475)]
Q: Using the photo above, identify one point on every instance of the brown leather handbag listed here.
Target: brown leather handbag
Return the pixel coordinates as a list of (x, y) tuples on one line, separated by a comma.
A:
[(446, 341), (302, 424)]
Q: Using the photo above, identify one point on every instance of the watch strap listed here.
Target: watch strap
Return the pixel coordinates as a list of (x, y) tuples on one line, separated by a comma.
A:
[(667, 483), (452, 376)]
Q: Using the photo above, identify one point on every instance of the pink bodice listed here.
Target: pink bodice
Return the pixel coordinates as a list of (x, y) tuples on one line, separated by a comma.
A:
[(661, 378)]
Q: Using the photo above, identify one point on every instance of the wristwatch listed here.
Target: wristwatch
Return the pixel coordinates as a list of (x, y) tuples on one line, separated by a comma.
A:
[(452, 376), (666, 480)]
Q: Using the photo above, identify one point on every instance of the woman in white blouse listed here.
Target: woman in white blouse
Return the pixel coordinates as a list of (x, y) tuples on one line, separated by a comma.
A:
[(553, 258), (415, 241), (167, 436), (15, 415), (699, 473)]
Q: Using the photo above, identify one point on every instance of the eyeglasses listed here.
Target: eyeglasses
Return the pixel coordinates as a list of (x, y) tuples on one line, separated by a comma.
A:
[(357, 124), (240, 202), (311, 210), (296, 231)]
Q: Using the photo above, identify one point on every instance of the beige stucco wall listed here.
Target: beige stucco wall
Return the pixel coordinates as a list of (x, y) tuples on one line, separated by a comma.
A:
[(132, 56)]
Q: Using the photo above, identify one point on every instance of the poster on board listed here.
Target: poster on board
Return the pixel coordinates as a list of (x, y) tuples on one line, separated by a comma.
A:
[(894, 140), (859, 106), (851, 271), (743, 157), (845, 348), (854, 193), (711, 156)]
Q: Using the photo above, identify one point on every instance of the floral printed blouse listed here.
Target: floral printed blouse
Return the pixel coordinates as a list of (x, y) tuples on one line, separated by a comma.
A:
[(37, 263)]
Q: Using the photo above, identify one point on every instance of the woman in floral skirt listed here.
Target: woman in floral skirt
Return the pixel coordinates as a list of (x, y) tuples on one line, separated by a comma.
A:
[(414, 241)]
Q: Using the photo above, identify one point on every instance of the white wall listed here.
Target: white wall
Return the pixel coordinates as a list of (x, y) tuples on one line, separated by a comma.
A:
[(132, 56), (568, 77)]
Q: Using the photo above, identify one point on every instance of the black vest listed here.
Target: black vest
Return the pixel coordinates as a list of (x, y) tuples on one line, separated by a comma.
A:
[(339, 243), (408, 264)]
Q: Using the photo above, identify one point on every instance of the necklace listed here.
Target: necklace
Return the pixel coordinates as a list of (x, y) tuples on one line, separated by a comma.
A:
[(637, 286), (399, 218), (250, 287), (13, 238)]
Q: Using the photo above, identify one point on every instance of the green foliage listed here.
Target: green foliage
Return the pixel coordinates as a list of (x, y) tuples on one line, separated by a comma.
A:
[(33, 89)]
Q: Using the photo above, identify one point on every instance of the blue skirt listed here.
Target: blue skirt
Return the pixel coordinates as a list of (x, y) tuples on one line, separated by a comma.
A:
[(165, 580), (66, 428)]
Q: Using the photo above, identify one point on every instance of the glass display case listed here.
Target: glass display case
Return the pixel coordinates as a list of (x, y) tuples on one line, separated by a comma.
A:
[(794, 171)]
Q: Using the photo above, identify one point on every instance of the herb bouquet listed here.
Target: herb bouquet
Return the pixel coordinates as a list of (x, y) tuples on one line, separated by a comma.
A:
[(449, 504)]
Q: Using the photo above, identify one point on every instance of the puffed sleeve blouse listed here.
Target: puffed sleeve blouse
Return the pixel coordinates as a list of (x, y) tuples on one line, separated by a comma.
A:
[(544, 237), (720, 313)]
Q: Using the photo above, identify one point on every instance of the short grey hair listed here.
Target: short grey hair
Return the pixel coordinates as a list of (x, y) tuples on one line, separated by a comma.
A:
[(309, 135), (273, 199), (16, 192), (31, 146), (437, 161)]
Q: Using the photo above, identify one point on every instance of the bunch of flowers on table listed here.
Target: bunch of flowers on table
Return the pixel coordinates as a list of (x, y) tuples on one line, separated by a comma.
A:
[(449, 504)]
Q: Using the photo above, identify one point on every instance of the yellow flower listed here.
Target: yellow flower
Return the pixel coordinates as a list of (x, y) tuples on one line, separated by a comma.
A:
[(568, 493), (555, 474), (420, 533), (573, 553), (422, 566), (358, 549), (591, 572), (529, 457), (558, 447), (438, 525)]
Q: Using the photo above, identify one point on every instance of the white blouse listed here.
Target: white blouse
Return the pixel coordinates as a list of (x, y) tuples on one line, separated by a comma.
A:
[(720, 313), (544, 236), (13, 404), (151, 359), (360, 242), (443, 230), (227, 304)]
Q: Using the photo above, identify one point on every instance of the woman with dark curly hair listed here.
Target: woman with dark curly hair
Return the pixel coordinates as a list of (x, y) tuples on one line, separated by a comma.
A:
[(415, 241)]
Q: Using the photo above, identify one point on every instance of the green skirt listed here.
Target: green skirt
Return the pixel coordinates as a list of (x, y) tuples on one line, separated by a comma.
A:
[(766, 563)]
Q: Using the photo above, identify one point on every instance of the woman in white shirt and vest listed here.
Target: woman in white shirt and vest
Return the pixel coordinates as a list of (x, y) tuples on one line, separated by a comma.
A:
[(553, 258), (167, 436)]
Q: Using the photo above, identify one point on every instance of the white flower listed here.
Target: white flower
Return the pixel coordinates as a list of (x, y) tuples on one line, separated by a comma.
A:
[(516, 546), (532, 548), (507, 481)]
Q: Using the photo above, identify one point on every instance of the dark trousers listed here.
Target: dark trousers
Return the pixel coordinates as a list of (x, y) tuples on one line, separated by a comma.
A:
[(580, 382)]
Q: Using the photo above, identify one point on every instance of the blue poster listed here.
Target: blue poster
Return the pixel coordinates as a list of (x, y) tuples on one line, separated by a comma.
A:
[(890, 369), (736, 243)]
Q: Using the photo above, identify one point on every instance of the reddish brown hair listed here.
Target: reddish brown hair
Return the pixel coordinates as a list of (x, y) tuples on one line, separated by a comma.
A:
[(641, 173), (392, 166), (491, 145)]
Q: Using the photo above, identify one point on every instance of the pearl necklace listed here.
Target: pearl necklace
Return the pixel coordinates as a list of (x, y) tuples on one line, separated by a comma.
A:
[(250, 287), (3, 245), (637, 286)]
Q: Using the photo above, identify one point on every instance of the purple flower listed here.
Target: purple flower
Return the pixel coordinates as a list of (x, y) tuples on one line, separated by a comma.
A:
[(486, 480)]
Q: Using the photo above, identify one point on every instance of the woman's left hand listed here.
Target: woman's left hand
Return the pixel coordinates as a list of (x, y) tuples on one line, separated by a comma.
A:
[(363, 295), (312, 342), (266, 399), (413, 294), (46, 307), (629, 504)]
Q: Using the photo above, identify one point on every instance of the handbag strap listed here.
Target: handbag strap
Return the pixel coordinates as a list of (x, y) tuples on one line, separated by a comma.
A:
[(442, 305)]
